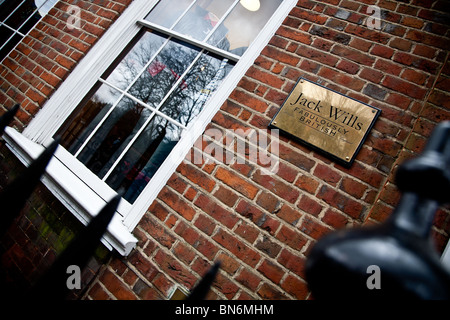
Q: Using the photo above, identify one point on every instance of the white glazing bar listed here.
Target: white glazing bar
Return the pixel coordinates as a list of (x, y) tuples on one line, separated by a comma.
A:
[(13, 11), (221, 20), (159, 113), (166, 97), (122, 94), (200, 44), (183, 14)]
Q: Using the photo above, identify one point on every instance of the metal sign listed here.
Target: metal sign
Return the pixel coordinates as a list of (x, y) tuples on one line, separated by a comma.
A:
[(328, 121)]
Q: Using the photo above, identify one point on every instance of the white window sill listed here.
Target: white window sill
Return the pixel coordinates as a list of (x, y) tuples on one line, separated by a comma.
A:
[(76, 195)]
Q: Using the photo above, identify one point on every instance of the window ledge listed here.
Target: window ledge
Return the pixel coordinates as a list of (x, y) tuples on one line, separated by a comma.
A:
[(78, 197)]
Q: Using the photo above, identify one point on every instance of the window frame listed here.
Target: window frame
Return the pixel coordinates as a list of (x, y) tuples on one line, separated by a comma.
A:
[(79, 82), (41, 10)]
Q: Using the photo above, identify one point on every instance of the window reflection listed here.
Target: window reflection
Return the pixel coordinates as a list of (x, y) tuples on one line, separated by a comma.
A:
[(144, 158), (113, 136), (243, 26), (226, 24), (124, 141)]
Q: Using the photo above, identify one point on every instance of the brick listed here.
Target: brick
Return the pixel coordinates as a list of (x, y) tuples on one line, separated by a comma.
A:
[(176, 203), (157, 231), (97, 293), (292, 216), (360, 44), (398, 100), (371, 75), (257, 216), (348, 66), (268, 246), (353, 55), (196, 176), (340, 78), (382, 51), (268, 292), (267, 201), (296, 287), (205, 224), (293, 261), (247, 231), (265, 77), (309, 66), (363, 32), (291, 237), (248, 279), (225, 286), (249, 100), (341, 202), (236, 182), (313, 228), (387, 66), (335, 219), (330, 34), (414, 76), (287, 172), (237, 247), (412, 22), (216, 211), (309, 205), (278, 187), (116, 287), (375, 91), (426, 38), (226, 196), (296, 35), (308, 15), (353, 187), (380, 211), (327, 174), (316, 55), (307, 184), (271, 271), (174, 269), (404, 87), (336, 24)]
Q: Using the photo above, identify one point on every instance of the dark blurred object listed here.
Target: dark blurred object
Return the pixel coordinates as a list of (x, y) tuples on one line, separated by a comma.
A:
[(202, 289), (339, 265)]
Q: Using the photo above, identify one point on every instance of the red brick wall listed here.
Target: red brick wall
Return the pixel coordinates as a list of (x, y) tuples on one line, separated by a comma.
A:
[(38, 65), (262, 227)]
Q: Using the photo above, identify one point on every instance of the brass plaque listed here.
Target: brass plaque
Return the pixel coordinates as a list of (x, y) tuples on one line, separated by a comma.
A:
[(326, 120)]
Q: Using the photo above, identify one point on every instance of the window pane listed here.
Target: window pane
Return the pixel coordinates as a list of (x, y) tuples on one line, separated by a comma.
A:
[(144, 158), (243, 26), (77, 128), (166, 13), (200, 20), (135, 61), (18, 16), (115, 133), (173, 60), (202, 80)]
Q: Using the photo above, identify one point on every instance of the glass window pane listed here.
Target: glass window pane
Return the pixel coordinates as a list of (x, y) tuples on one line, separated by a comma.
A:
[(166, 13), (20, 16), (144, 158), (243, 26), (77, 128), (201, 19), (114, 135), (170, 64), (202, 80), (130, 67)]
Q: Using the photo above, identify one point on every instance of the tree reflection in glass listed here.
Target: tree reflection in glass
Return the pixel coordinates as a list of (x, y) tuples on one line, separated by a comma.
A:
[(128, 125)]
